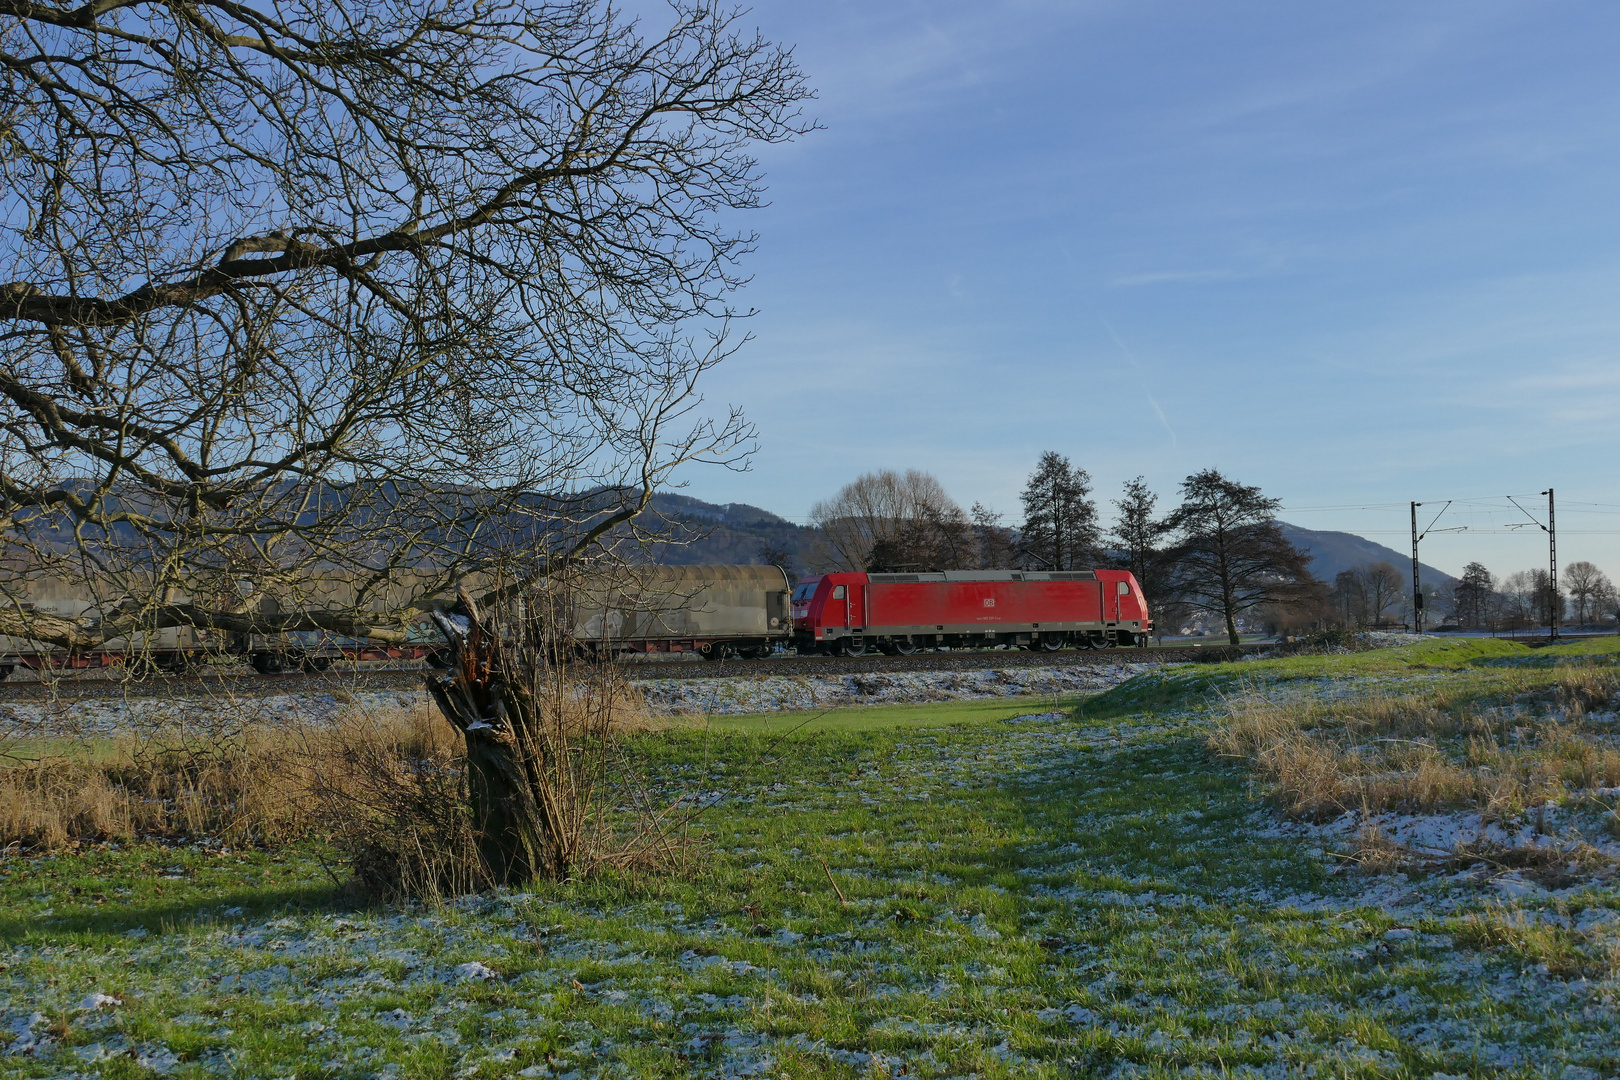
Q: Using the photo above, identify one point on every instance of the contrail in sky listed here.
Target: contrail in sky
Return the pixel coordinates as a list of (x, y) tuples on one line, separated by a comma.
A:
[(1140, 380)]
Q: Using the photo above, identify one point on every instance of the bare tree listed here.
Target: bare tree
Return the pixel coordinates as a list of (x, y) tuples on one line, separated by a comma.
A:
[(1587, 587), (364, 293), (773, 554), (1230, 557), (895, 521), (1384, 585), (1517, 598), (1349, 596), (1604, 602), (994, 543), (1060, 519)]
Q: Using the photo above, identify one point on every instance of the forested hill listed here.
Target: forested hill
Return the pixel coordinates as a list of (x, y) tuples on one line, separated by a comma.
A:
[(730, 534), (1334, 552)]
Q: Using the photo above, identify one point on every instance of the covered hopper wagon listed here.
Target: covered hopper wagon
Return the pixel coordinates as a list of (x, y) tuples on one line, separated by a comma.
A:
[(713, 611)]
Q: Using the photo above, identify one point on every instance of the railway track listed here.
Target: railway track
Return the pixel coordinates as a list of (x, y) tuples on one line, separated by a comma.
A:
[(240, 680)]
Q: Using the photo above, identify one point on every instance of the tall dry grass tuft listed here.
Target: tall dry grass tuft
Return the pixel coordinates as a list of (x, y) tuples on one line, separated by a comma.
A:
[(1421, 752), (255, 784), (240, 791), (390, 792)]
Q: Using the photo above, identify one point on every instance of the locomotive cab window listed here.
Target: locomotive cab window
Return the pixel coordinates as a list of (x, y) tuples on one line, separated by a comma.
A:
[(1124, 588), (838, 592)]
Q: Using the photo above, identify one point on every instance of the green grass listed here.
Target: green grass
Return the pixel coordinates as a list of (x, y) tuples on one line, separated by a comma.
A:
[(1089, 896)]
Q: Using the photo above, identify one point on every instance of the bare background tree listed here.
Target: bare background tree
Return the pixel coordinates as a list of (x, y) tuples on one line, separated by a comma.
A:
[(1385, 584), (356, 293), (1060, 529), (891, 520), (1517, 599), (1230, 557), (1589, 590), (996, 545), (775, 555), (1349, 596)]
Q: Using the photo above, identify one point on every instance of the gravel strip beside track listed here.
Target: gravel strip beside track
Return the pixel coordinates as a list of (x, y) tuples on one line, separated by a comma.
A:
[(244, 682)]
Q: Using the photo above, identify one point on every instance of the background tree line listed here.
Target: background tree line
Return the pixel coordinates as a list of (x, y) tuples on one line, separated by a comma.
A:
[(1379, 594), (1217, 556)]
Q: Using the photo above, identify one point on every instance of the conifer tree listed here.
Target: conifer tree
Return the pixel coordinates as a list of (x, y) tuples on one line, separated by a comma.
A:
[(1060, 519)]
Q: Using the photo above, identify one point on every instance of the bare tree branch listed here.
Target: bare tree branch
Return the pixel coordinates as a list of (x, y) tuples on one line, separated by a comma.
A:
[(352, 302)]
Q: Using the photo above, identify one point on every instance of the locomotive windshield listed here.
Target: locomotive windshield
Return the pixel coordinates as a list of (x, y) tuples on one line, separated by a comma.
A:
[(804, 592)]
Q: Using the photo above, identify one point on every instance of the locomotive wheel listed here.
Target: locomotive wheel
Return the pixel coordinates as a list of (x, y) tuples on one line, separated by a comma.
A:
[(854, 647), (904, 646), (1051, 643)]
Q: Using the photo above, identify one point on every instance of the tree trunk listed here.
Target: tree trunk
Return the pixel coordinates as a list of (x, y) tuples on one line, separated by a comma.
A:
[(512, 837), (521, 835)]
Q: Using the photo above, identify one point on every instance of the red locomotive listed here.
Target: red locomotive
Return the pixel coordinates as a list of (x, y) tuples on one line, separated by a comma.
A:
[(851, 613)]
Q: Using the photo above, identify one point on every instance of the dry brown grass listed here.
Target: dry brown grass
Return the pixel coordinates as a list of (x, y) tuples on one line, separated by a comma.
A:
[(389, 792), (129, 788), (388, 789), (251, 786), (1422, 752)]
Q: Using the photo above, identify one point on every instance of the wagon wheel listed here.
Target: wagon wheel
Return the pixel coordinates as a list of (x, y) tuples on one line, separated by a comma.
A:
[(267, 663)]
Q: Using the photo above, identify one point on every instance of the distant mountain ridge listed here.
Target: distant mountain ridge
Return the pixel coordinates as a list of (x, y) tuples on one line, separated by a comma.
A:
[(1332, 553)]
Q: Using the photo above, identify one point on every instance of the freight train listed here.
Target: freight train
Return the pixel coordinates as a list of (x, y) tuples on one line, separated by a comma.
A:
[(714, 612)]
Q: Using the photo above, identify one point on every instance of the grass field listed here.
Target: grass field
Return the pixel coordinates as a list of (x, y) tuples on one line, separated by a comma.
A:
[(1001, 888)]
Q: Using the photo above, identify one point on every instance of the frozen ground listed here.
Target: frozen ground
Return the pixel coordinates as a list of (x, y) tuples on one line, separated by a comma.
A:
[(742, 694), (1039, 895), (756, 694), (202, 710)]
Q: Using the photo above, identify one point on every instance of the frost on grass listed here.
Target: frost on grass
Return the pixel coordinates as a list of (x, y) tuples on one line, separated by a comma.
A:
[(770, 693), (1044, 896)]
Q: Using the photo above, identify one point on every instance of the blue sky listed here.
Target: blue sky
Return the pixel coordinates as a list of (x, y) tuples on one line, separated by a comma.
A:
[(1355, 254)]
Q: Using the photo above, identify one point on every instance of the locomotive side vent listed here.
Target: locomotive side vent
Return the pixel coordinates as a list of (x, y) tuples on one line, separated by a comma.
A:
[(890, 579)]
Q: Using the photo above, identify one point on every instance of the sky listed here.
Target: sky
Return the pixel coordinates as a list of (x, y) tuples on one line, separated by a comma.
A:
[(1355, 254)]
